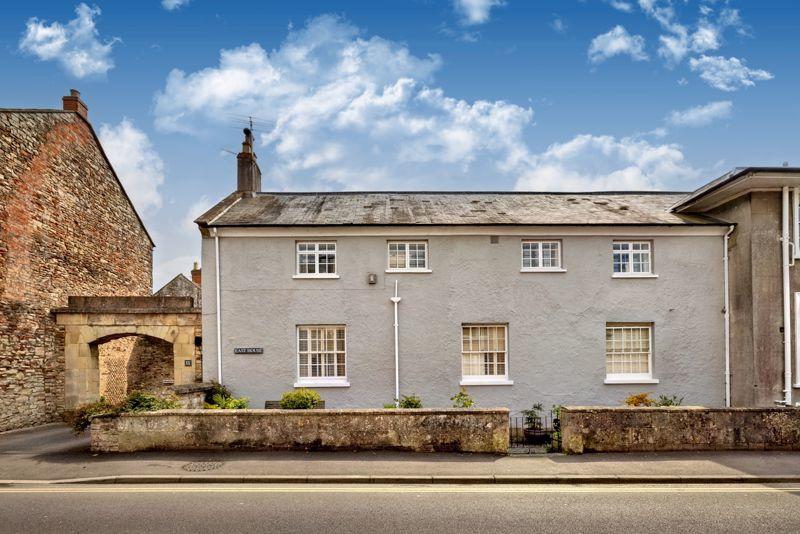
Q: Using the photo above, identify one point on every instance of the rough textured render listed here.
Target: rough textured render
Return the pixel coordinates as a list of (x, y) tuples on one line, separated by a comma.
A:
[(556, 321), (66, 228), (452, 430), (323, 209), (598, 429)]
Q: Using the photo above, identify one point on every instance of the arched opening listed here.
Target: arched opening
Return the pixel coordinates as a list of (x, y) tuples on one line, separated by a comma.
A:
[(133, 362)]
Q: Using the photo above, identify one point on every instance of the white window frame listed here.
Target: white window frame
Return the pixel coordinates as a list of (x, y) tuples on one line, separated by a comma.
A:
[(320, 381), (539, 242), (629, 378), (390, 269), (630, 273), (484, 380), (316, 252)]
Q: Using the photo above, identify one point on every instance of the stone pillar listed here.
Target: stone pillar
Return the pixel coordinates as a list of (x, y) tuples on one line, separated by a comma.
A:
[(82, 373), (183, 350)]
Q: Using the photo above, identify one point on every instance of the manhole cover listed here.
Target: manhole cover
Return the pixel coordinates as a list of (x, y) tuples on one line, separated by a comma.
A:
[(202, 466)]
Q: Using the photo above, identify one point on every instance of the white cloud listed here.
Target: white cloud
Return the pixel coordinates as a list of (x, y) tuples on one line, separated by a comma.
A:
[(592, 162), (681, 39), (727, 74), (349, 112), (136, 162), (619, 5), (171, 5), (615, 42), (701, 115), (196, 209), (475, 11), (558, 25), (75, 45)]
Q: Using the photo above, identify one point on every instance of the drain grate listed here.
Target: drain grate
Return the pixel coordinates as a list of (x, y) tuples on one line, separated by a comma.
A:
[(195, 467)]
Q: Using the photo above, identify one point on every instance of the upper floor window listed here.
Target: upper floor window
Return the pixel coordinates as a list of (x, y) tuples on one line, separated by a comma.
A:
[(484, 354), (541, 256), (316, 260), (408, 256), (633, 258), (321, 356), (629, 352)]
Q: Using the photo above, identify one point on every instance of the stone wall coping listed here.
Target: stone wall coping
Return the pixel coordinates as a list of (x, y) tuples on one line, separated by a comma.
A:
[(190, 388), (673, 409), (68, 310), (260, 412)]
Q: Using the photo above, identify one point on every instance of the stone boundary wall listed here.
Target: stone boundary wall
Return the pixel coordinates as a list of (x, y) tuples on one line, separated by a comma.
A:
[(634, 429), (418, 430)]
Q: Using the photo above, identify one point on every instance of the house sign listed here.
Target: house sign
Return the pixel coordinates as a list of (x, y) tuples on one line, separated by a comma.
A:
[(248, 350)]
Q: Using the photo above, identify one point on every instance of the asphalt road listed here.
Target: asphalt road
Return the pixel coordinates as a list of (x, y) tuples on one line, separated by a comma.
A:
[(418, 509)]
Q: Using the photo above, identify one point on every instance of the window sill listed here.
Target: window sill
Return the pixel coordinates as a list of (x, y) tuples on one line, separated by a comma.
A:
[(322, 384), (637, 275), (499, 382), (408, 271), (318, 276), (547, 270), (630, 381)]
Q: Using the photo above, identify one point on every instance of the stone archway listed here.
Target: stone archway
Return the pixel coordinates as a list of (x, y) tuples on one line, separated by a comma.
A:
[(87, 321)]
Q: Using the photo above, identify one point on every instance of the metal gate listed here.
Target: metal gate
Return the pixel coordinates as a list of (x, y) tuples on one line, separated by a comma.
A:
[(532, 433)]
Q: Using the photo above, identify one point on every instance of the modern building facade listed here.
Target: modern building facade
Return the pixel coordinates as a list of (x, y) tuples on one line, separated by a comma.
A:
[(559, 298)]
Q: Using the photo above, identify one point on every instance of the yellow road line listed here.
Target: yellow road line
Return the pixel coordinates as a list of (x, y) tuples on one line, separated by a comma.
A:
[(406, 489)]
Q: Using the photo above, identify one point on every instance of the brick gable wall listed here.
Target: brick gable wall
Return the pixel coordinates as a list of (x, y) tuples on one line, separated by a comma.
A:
[(66, 228)]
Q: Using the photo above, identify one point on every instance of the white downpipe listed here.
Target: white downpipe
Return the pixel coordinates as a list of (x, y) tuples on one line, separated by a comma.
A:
[(396, 300), (219, 316), (787, 310), (727, 301)]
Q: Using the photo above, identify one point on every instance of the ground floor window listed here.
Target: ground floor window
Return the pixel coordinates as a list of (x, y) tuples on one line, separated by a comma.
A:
[(321, 353), (629, 351), (484, 353)]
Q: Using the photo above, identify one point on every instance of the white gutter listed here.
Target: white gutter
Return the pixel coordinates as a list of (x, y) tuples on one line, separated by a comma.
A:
[(727, 301), (219, 317), (787, 311), (396, 300)]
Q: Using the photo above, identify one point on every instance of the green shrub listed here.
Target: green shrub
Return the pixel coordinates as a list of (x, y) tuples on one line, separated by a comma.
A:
[(140, 401), (672, 400), (533, 416), (462, 399), (220, 398), (300, 399), (218, 402), (410, 401), (81, 418), (389, 406)]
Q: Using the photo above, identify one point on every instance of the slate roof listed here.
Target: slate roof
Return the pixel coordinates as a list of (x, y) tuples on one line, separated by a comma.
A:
[(449, 208)]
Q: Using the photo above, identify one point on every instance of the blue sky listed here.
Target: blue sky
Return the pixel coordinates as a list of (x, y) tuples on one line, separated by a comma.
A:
[(411, 94)]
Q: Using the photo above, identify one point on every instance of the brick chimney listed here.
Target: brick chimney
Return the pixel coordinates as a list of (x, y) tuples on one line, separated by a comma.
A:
[(248, 176), (73, 102), (196, 278)]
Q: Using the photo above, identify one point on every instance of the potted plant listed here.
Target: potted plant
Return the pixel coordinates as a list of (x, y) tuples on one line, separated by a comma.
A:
[(534, 431)]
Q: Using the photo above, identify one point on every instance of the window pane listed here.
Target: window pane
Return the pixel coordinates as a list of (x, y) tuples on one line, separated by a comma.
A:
[(628, 350), (483, 350)]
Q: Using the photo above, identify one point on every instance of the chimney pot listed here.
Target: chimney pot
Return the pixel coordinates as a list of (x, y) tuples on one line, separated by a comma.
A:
[(73, 102), (196, 274)]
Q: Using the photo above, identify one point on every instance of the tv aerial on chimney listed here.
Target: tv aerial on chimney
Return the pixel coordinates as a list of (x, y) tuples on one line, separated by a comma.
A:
[(249, 121)]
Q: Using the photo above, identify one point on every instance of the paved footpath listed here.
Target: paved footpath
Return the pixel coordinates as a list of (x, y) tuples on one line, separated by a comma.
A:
[(52, 453)]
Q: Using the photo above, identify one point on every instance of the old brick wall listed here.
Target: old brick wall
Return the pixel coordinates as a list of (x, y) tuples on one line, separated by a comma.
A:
[(628, 429), (135, 363), (66, 228), (424, 430)]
